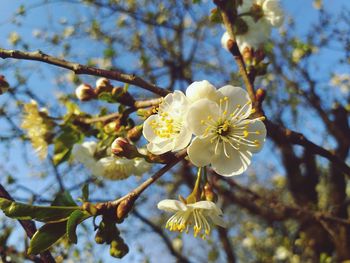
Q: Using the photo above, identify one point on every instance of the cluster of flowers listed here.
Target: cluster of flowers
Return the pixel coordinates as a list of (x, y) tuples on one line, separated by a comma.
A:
[(260, 16), (225, 137), (110, 167)]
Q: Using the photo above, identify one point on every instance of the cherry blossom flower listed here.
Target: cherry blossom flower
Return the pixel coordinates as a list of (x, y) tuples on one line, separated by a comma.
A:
[(201, 215), (167, 130), (225, 137), (265, 15), (271, 11), (116, 168)]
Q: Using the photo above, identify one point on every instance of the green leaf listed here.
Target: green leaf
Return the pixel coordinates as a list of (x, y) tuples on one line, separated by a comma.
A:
[(39, 213), (64, 143), (73, 221), (46, 236), (107, 96), (64, 199), (85, 192)]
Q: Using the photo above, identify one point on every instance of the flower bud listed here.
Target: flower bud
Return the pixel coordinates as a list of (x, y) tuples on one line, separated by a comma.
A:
[(260, 95), (209, 193), (123, 96), (125, 206), (85, 92), (118, 248), (135, 133), (103, 85), (123, 148)]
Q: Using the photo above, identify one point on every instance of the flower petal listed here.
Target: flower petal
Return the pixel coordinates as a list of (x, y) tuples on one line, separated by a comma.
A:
[(238, 99), (217, 220), (256, 135), (201, 110), (237, 162), (201, 90), (148, 131), (171, 205), (160, 147), (206, 205), (183, 139), (200, 151)]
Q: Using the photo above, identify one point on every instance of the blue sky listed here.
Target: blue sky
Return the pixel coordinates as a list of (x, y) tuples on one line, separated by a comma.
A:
[(301, 10)]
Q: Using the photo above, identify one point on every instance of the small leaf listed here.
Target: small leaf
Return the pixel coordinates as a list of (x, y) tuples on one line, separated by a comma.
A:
[(85, 192), (106, 96), (64, 199), (46, 236), (39, 213), (73, 221)]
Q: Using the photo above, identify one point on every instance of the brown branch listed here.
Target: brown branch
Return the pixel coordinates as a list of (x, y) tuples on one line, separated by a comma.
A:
[(226, 244), (29, 228), (281, 134), (123, 205), (269, 208), (82, 69)]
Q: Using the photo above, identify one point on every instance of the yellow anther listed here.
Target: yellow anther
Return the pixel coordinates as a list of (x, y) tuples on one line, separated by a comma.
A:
[(202, 121), (245, 133), (225, 112), (252, 111), (225, 98), (210, 117)]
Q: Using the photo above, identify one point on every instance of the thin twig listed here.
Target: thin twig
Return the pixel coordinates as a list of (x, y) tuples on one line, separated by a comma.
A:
[(82, 69)]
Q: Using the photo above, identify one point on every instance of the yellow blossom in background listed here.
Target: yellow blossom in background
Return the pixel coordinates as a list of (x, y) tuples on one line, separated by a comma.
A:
[(37, 127)]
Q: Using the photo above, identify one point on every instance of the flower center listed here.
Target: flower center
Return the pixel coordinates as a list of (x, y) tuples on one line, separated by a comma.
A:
[(230, 129), (166, 126)]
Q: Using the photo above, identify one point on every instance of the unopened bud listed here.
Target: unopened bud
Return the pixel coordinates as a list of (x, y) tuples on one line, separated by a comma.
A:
[(85, 92), (260, 95), (209, 193), (123, 148), (135, 133), (123, 96), (4, 85), (118, 248), (247, 55), (103, 85), (125, 206)]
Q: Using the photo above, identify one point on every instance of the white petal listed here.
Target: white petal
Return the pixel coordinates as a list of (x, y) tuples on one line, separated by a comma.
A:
[(201, 110), (171, 205), (148, 131), (253, 127), (236, 164), (206, 205), (237, 97), (200, 151), (217, 220), (225, 37), (201, 90), (183, 139), (161, 147)]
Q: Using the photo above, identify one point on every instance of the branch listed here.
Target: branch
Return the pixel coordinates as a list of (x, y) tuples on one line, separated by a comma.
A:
[(280, 134), (83, 70), (123, 205), (270, 208), (29, 228)]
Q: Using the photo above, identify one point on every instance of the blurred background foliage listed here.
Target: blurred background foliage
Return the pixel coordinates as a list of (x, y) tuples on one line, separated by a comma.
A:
[(173, 43)]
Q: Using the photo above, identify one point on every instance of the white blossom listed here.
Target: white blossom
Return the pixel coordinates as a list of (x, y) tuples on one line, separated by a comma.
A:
[(167, 130), (272, 13), (200, 90), (115, 168), (201, 215), (225, 137)]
